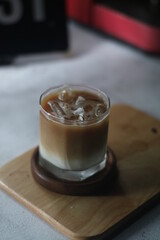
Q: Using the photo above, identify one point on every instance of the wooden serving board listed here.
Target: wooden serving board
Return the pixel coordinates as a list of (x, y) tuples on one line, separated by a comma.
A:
[(135, 139)]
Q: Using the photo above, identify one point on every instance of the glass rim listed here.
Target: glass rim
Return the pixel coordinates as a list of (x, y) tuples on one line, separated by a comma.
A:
[(71, 121)]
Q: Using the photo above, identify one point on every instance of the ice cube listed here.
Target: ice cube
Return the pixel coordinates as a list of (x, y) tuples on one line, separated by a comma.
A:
[(89, 115), (80, 100), (81, 117), (99, 110), (78, 111), (66, 109), (65, 93), (51, 104), (56, 109)]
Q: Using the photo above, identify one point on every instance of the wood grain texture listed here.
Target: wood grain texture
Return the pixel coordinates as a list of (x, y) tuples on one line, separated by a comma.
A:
[(135, 139)]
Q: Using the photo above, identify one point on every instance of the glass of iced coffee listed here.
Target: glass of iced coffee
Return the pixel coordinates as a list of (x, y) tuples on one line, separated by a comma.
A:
[(73, 131)]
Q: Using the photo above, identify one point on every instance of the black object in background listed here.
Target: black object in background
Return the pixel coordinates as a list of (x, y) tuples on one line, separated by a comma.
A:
[(32, 26)]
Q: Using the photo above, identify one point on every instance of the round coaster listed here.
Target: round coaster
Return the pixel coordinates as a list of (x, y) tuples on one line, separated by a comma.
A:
[(100, 181)]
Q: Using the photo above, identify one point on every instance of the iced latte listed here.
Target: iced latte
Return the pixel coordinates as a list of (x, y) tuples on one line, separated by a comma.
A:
[(73, 131)]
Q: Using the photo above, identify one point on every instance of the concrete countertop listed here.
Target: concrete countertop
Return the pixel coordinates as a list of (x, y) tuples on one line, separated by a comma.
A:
[(127, 75)]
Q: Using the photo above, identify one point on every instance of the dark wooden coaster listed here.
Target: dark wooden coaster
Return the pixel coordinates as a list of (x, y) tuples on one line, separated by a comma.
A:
[(93, 185)]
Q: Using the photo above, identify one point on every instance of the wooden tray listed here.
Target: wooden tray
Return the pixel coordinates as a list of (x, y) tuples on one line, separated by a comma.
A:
[(135, 139)]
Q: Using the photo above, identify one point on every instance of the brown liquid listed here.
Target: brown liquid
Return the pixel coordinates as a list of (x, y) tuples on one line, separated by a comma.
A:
[(73, 146), (89, 104)]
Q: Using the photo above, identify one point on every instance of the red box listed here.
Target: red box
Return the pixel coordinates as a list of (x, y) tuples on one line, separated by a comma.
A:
[(115, 23)]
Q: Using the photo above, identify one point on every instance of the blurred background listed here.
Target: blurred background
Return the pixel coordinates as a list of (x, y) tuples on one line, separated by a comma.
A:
[(112, 45)]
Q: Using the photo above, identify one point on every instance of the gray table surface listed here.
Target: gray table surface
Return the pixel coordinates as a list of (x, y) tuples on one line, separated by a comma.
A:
[(127, 75)]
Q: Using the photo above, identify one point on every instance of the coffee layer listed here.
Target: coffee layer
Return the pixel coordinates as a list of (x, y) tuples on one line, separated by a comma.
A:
[(73, 129)]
